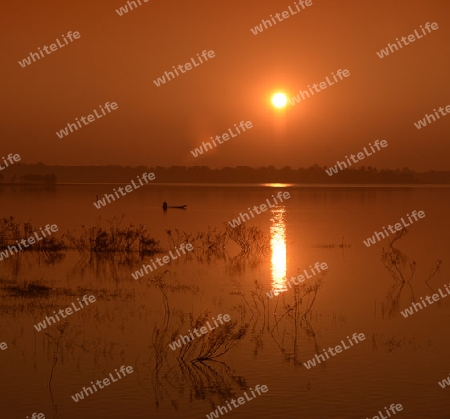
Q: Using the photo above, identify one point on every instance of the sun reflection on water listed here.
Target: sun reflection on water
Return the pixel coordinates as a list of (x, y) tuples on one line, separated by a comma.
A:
[(278, 249)]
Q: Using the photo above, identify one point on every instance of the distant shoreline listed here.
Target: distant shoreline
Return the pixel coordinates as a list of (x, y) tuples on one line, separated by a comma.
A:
[(40, 174), (231, 185)]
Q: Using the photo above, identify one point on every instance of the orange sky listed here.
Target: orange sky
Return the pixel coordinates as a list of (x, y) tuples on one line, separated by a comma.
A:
[(117, 58)]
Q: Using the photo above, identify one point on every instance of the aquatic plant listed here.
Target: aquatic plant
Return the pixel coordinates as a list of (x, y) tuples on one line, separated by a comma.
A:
[(210, 240), (343, 245), (213, 344), (116, 238), (248, 237), (11, 230), (394, 260), (29, 289)]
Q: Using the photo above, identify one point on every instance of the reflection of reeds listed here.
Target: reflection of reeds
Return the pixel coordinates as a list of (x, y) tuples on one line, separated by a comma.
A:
[(213, 240), (292, 313), (248, 237), (61, 329), (435, 270), (116, 238), (393, 299), (237, 265), (11, 230), (215, 343), (104, 265), (391, 344), (169, 369), (196, 370), (304, 298), (211, 244), (96, 239), (394, 260), (342, 245), (209, 240), (396, 263), (29, 289), (214, 381)]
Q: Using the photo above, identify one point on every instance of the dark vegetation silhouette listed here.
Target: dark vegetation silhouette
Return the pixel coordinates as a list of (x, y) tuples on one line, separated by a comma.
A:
[(20, 173)]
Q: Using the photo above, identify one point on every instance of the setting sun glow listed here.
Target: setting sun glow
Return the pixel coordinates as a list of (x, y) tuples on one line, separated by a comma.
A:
[(279, 100)]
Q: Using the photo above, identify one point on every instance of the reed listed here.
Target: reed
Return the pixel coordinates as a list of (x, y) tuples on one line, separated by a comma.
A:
[(248, 237), (211, 240), (394, 260), (115, 238), (215, 343), (11, 230)]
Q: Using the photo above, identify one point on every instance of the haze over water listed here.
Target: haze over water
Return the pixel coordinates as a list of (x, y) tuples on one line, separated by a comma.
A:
[(119, 328), (202, 112)]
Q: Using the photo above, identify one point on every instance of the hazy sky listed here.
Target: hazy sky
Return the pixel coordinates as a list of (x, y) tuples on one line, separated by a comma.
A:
[(118, 57)]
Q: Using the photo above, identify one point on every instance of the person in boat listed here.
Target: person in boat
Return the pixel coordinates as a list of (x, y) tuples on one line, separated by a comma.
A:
[(164, 205)]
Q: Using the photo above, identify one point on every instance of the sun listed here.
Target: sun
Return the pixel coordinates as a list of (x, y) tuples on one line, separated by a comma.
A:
[(279, 100)]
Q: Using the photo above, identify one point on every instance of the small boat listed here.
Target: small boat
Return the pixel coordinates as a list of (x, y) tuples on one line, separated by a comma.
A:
[(165, 206)]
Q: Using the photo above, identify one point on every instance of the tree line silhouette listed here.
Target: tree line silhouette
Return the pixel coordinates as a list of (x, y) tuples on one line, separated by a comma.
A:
[(30, 178), (46, 174)]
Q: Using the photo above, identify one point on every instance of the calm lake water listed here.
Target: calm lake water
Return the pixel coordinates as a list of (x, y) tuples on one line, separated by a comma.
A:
[(133, 321)]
